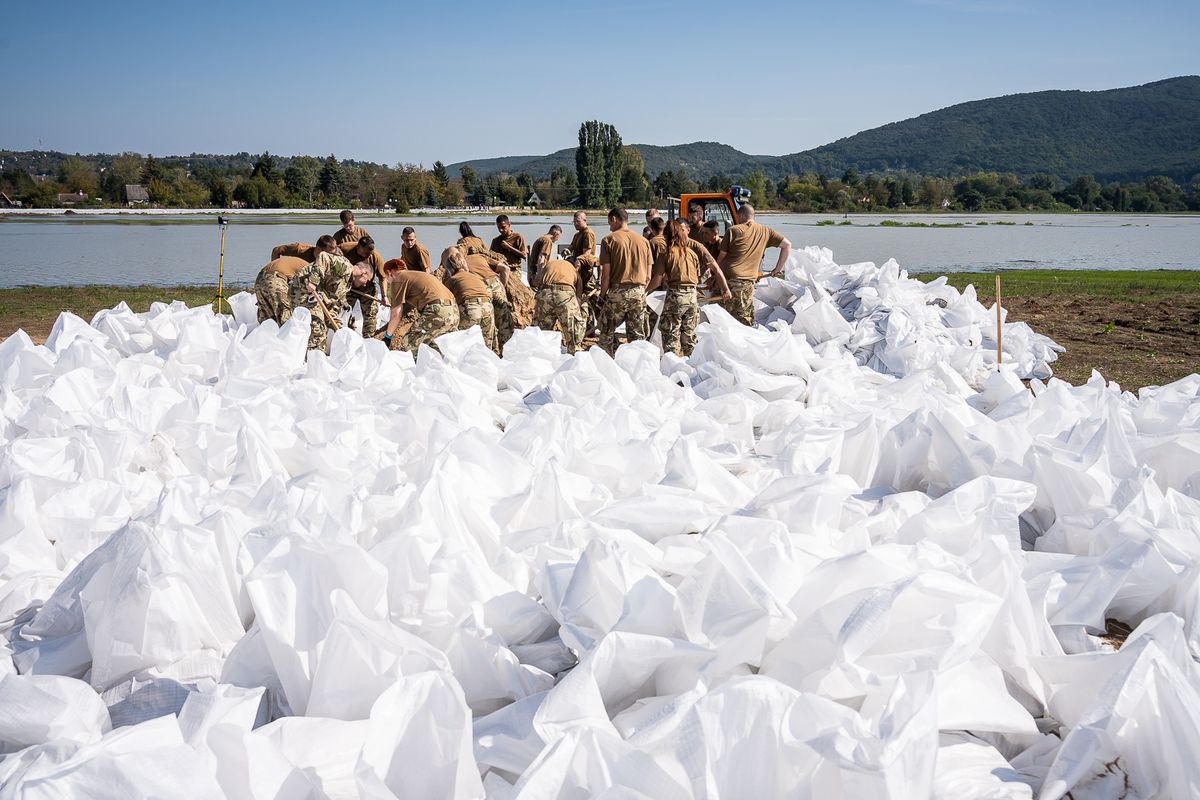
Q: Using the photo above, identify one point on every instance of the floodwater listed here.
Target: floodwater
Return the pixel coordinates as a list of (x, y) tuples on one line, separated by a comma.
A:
[(169, 250)]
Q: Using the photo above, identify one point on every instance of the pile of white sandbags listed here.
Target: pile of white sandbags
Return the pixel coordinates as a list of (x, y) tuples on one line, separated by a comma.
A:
[(896, 324), (766, 571)]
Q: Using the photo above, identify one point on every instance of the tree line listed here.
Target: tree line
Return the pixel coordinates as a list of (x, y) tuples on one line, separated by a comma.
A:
[(607, 173)]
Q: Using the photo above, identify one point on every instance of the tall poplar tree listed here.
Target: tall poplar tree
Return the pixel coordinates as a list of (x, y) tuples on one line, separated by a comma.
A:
[(598, 163)]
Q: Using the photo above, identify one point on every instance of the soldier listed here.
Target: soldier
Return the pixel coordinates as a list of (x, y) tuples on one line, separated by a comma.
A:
[(472, 245), (349, 232), (323, 287), (501, 307), (652, 214), (308, 252), (436, 310), (413, 253), (658, 242), (271, 288), (543, 250), (679, 268), (658, 246), (474, 298), (468, 242), (741, 257), (583, 256), (710, 237), (557, 305), (363, 251), (625, 264), (695, 218), (509, 245), (359, 250)]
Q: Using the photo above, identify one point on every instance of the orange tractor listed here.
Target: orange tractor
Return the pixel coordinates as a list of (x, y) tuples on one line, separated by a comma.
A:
[(714, 205)]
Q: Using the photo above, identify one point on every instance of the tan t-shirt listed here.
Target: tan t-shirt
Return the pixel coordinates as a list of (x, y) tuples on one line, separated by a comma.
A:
[(627, 255), (341, 236), (307, 252), (417, 289), (505, 246), (466, 286), (559, 272), (541, 245), (285, 267), (583, 246), (679, 266), (703, 254), (415, 257), (745, 245), (479, 265), (658, 246), (471, 244)]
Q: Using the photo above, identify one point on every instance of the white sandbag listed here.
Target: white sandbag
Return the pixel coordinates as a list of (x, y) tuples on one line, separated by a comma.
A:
[(838, 554), (47, 708), (418, 742)]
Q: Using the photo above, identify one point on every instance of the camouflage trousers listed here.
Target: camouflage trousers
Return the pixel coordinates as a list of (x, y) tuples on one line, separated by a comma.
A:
[(479, 312), (557, 306), (434, 320), (624, 304), (587, 278), (501, 310), (741, 305), (370, 307), (681, 312), (591, 295), (271, 294), (318, 337)]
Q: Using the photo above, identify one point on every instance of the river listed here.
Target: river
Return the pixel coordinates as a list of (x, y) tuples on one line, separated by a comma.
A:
[(170, 250)]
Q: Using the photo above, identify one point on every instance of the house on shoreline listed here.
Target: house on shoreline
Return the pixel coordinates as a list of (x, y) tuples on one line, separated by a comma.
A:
[(136, 195)]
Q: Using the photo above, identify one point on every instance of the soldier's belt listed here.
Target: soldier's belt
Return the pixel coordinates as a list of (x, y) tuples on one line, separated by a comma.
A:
[(437, 303), (681, 286), (477, 301)]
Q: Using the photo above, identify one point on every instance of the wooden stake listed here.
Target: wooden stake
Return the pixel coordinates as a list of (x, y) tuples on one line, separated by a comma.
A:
[(333, 322), (999, 332)]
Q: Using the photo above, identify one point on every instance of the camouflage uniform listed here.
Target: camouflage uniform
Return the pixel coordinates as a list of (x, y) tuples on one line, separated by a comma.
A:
[(331, 275), (271, 294), (624, 304), (741, 305), (434, 320), (558, 306), (681, 312), (501, 310), (477, 311), (370, 305)]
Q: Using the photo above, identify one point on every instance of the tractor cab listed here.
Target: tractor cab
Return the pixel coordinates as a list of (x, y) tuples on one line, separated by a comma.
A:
[(715, 205)]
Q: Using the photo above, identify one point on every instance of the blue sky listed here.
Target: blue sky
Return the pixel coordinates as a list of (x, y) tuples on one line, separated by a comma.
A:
[(416, 82)]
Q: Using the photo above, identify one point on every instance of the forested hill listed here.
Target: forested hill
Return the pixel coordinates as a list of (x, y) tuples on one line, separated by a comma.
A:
[(1118, 134), (1115, 134)]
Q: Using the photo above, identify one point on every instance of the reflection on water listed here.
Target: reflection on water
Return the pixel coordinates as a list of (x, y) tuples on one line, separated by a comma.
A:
[(184, 249)]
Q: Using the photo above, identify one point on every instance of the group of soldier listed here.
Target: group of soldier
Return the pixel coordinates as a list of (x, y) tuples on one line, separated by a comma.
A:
[(576, 294)]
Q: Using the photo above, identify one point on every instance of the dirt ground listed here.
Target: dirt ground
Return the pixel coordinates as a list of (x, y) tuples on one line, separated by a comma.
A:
[(1133, 342)]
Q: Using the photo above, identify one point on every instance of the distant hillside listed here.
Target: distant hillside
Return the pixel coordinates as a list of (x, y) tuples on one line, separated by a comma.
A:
[(1115, 134), (490, 166)]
